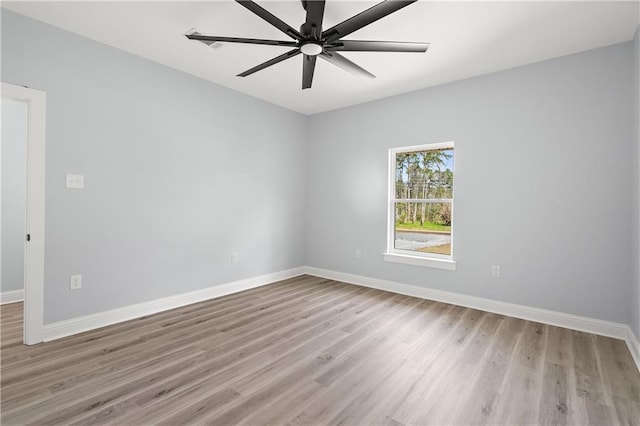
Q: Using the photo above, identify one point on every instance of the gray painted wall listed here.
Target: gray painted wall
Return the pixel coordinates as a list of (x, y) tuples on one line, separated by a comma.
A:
[(176, 180), (635, 286), (14, 180), (543, 177), (179, 172)]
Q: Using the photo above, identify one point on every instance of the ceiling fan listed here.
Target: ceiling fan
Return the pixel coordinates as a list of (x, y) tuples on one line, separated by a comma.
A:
[(311, 41)]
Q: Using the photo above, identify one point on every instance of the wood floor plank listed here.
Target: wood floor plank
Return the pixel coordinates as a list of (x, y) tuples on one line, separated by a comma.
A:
[(309, 350), (555, 407), (517, 403), (479, 387), (439, 361)]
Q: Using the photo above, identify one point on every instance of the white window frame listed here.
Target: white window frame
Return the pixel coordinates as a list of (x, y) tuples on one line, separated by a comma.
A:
[(410, 257)]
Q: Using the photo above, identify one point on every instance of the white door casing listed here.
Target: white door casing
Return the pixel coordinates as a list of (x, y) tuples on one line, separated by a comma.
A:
[(34, 248)]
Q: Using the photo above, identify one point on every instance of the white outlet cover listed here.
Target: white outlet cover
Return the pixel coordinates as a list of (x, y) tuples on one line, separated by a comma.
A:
[(75, 181), (496, 271), (75, 282)]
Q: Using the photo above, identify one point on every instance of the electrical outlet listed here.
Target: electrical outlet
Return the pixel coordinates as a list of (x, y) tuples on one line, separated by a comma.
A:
[(234, 257), (496, 271), (75, 181), (358, 253), (75, 282)]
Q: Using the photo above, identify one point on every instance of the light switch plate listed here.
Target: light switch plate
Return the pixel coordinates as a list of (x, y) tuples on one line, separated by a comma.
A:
[(75, 181)]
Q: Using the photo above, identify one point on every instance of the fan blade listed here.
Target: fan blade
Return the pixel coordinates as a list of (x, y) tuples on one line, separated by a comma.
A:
[(341, 62), (363, 19), (308, 67), (313, 24), (271, 18), (213, 39), (376, 46), (277, 59)]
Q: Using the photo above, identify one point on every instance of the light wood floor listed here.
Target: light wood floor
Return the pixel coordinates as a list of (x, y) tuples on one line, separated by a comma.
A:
[(315, 351)]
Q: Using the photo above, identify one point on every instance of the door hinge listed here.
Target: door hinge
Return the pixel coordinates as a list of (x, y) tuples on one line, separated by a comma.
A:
[(28, 237)]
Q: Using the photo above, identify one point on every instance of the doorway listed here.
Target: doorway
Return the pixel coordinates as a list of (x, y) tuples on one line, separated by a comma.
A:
[(13, 200), (32, 103)]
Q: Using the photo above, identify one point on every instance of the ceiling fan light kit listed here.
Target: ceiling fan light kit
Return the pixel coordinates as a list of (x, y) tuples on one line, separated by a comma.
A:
[(311, 49), (312, 42)]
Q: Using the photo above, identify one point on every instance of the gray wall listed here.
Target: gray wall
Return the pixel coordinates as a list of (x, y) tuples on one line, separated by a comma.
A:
[(176, 179), (543, 176), (14, 180), (179, 172), (635, 289)]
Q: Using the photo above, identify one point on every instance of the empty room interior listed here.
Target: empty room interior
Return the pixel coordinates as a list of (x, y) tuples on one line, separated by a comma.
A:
[(309, 212)]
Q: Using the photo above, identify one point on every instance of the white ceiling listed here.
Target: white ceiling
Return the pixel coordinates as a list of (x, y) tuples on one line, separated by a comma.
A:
[(467, 39)]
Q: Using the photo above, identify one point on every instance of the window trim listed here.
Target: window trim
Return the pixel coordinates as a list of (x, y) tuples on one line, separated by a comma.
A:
[(409, 257)]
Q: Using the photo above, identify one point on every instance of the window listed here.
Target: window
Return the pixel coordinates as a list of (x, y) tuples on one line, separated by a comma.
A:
[(420, 228)]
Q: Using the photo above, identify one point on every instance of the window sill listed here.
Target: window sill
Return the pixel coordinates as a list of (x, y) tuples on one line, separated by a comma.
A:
[(428, 262)]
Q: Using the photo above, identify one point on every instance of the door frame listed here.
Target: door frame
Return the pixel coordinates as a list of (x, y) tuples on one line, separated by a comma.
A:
[(34, 224)]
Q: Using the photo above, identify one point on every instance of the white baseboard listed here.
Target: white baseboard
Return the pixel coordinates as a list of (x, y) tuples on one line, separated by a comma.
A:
[(11, 296), (634, 346), (90, 322), (573, 322)]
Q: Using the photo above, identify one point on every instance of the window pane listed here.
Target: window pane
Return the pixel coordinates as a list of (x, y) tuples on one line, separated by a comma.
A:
[(424, 174), (423, 227)]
